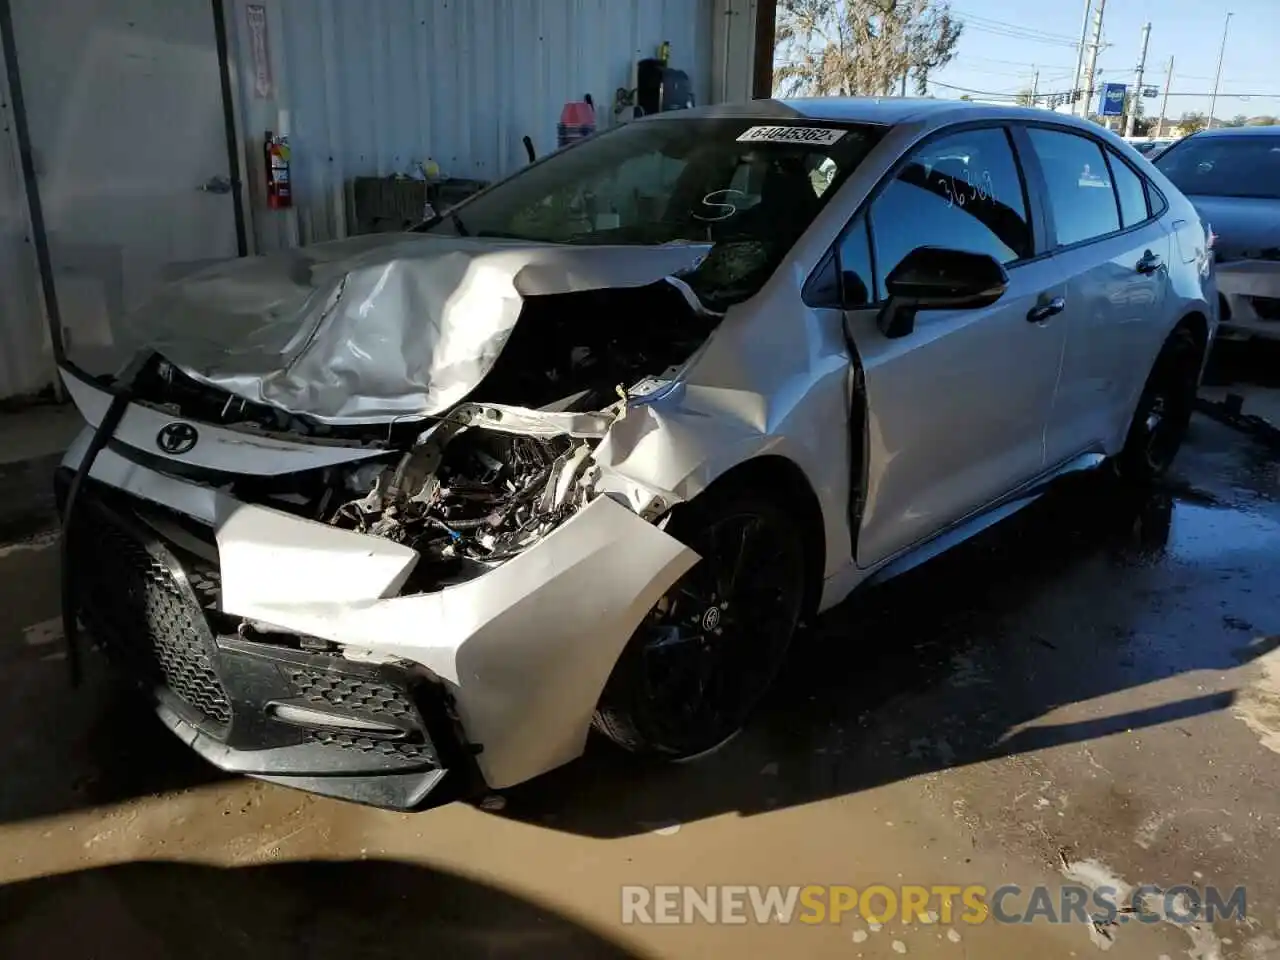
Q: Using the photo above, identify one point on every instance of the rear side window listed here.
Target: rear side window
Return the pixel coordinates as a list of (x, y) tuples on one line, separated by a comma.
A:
[(962, 191), (1129, 190), (1079, 185)]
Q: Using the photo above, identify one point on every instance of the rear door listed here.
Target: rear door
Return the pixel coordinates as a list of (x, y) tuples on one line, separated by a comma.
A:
[(1114, 254), (958, 408)]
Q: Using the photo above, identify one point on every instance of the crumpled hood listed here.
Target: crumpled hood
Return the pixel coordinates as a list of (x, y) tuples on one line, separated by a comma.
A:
[(375, 327)]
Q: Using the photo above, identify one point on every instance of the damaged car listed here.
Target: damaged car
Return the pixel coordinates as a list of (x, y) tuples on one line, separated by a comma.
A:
[(403, 517)]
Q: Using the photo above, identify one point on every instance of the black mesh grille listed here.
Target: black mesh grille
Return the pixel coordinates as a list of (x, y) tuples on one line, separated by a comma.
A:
[(384, 748), (138, 600), (368, 697)]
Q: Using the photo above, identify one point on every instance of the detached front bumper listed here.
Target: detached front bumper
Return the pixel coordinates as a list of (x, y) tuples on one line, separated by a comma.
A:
[(1250, 299), (227, 600), (379, 734)]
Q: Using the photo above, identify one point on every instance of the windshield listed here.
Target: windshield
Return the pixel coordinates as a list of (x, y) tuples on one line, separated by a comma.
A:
[(1246, 166), (747, 187)]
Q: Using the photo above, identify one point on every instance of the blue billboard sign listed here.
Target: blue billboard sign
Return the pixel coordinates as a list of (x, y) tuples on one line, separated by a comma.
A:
[(1112, 100)]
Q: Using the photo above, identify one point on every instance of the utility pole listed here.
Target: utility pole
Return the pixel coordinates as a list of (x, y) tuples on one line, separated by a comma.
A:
[(1217, 74), (1164, 104), (1035, 87), (1084, 34), (1136, 102), (1094, 46)]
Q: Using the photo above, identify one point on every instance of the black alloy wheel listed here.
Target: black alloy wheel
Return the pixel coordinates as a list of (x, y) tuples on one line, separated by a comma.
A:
[(1164, 410), (708, 650)]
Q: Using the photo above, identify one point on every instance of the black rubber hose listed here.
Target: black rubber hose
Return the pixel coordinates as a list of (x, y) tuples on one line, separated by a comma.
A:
[(70, 627)]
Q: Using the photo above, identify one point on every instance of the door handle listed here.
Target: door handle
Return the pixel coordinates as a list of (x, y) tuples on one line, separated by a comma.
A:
[(216, 185), (1149, 263), (1043, 311)]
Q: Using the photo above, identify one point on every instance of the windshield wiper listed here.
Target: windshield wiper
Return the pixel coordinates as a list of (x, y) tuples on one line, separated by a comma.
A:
[(458, 224)]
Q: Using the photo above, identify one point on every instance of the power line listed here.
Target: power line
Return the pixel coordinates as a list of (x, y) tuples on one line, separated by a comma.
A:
[(984, 93), (1013, 34), (991, 21), (1017, 63), (1044, 74), (1066, 93)]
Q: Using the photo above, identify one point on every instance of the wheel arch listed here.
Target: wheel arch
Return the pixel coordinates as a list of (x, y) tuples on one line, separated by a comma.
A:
[(786, 483), (1198, 324)]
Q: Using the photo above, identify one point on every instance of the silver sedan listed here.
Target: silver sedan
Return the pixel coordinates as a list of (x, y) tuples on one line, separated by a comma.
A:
[(404, 516)]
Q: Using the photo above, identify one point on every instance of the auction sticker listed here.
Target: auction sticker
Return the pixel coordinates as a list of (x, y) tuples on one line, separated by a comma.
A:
[(824, 136)]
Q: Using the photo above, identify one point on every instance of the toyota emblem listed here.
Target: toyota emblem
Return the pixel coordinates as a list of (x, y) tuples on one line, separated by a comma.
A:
[(176, 438)]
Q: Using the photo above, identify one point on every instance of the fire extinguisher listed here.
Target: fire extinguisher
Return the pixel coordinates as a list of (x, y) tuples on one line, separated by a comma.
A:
[(276, 153)]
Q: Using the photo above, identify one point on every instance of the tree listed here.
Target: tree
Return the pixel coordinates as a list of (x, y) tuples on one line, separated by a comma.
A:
[(1193, 121), (1025, 98), (1239, 120), (1263, 121), (861, 47)]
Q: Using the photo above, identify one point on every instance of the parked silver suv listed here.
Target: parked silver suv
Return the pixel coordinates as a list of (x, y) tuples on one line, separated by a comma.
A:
[(407, 510)]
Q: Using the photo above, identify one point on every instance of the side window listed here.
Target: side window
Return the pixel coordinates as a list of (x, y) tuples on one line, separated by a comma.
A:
[(962, 191), (1079, 186), (1129, 188), (855, 266), (1158, 203)]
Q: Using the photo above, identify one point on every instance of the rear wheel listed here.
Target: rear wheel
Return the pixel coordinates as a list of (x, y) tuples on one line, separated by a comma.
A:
[(709, 649), (1164, 410)]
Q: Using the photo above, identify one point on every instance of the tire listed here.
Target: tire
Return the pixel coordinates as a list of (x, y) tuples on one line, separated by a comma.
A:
[(710, 648), (1163, 415)]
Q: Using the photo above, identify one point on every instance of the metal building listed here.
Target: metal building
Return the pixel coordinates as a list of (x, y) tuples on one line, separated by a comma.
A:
[(144, 125)]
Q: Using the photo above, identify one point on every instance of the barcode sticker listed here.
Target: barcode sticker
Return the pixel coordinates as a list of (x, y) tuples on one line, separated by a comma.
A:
[(822, 136)]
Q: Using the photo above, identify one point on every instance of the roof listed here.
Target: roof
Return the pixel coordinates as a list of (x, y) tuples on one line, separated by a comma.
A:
[(887, 111), (1273, 131)]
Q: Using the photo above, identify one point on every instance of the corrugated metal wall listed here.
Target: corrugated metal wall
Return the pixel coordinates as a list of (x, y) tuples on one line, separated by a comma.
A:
[(26, 363), (370, 87)]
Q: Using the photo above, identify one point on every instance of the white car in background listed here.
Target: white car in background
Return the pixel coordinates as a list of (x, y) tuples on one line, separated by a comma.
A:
[(1151, 147), (1232, 176)]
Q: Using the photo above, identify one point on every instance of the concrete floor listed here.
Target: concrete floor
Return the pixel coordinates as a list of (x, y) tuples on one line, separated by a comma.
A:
[(1092, 689)]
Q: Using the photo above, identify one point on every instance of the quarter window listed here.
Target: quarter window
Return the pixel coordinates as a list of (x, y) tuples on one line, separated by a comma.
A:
[(1081, 196), (963, 191), (855, 266), (1130, 191)]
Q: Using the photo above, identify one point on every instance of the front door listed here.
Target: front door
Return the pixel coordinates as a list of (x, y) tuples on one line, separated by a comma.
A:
[(958, 407), (124, 103)]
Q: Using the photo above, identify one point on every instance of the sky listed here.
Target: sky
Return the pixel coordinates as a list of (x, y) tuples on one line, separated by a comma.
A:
[(1005, 41)]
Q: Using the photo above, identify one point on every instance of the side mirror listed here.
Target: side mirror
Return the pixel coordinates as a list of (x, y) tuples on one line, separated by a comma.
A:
[(937, 278)]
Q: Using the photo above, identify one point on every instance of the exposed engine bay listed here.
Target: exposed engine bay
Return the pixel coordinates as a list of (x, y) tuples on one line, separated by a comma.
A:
[(464, 495), (472, 502), (585, 345)]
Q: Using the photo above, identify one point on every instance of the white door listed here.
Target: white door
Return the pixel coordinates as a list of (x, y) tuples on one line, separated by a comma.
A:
[(124, 104), (958, 407), (1115, 263)]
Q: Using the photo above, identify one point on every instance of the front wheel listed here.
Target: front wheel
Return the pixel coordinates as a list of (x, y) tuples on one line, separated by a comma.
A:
[(1163, 416), (709, 649)]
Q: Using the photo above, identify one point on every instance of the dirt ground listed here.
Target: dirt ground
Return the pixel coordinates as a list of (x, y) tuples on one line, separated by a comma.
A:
[(1088, 693)]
